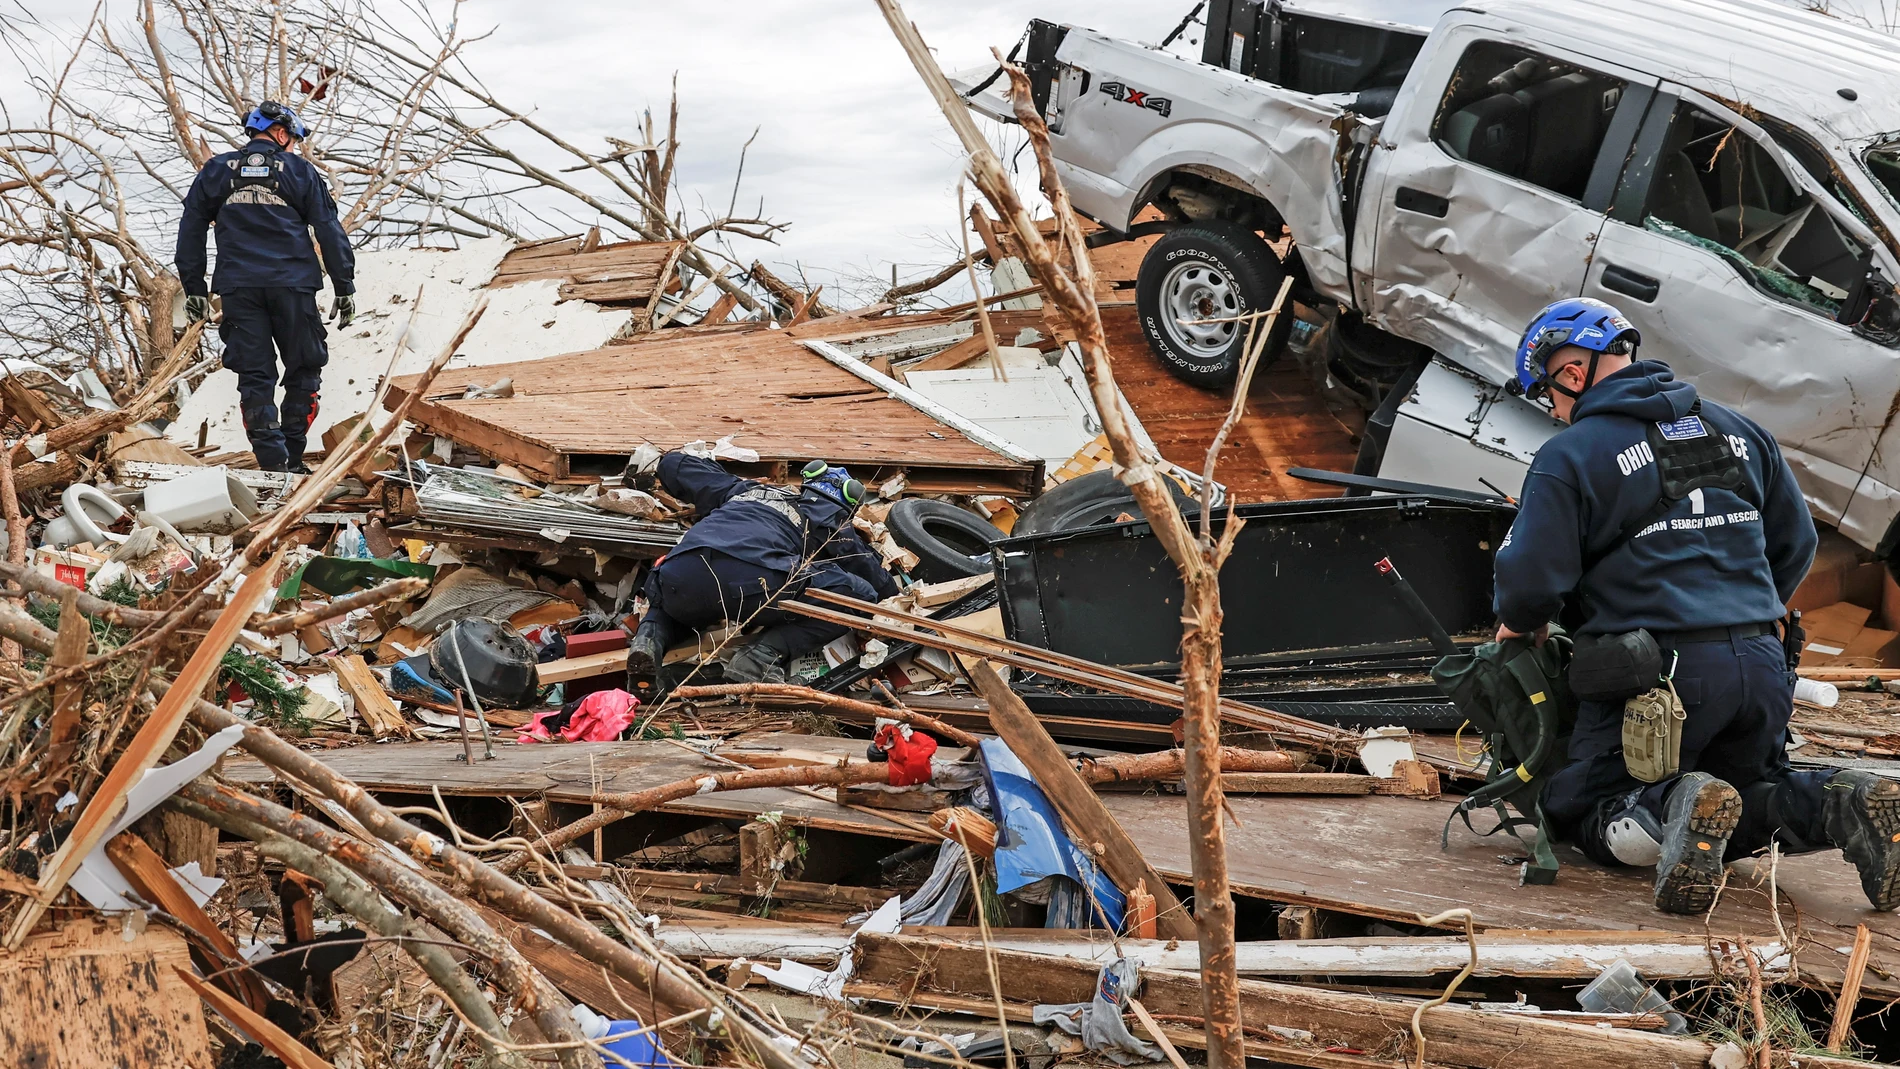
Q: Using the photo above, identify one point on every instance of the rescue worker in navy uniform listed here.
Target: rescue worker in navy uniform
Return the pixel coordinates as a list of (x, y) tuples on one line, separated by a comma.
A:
[(1708, 577), (753, 545), (266, 202)]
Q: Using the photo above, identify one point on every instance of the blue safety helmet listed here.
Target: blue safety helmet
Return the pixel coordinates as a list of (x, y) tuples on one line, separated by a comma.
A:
[(834, 483), (270, 113), (1581, 321)]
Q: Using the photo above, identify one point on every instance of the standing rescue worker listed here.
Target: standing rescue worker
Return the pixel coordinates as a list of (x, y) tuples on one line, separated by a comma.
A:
[(267, 202), (1658, 511), (753, 546)]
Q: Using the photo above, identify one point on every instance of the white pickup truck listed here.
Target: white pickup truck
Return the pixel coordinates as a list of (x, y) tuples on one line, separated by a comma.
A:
[(1726, 172)]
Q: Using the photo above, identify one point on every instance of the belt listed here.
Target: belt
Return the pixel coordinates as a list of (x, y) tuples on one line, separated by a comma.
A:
[(1714, 634)]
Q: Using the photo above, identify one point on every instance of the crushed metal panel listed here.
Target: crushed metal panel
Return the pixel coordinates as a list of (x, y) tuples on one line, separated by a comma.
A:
[(1280, 142)]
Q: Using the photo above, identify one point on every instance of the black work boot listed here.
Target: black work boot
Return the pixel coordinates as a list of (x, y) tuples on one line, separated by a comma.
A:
[(760, 662), (645, 654), (1862, 812), (1698, 817)]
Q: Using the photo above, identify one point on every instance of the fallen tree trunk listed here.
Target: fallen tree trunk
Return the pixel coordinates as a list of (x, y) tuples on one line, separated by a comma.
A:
[(621, 806), (1457, 1035), (648, 970), (786, 693), (362, 901), (1168, 764)]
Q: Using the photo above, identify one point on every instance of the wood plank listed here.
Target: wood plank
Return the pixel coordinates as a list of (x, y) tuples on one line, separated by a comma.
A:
[(373, 703), (584, 667), (954, 357), (1092, 825), (1455, 1035), (152, 879), (146, 747), (293, 1054), (81, 994)]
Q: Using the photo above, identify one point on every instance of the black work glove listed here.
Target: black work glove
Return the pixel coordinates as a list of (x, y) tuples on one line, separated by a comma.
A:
[(344, 311), (197, 309)]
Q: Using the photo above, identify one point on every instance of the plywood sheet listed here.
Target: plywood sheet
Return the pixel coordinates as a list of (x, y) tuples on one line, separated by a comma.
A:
[(1379, 856), (1287, 423), (623, 273), (758, 386), (82, 995)]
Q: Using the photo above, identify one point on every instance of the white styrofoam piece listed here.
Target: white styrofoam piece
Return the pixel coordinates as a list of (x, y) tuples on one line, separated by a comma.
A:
[(829, 986), (98, 880), (196, 884), (523, 322)]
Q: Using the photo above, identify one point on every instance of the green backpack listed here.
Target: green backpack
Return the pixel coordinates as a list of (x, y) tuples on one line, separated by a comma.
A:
[(1517, 697)]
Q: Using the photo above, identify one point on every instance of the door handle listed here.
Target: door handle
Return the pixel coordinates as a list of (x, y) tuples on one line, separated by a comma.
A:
[(1625, 281), (1417, 200)]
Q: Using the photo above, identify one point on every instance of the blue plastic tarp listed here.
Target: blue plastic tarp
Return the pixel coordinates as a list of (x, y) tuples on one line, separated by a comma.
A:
[(1030, 842)]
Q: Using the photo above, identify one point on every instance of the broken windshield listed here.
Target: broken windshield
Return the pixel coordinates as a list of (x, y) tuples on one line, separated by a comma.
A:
[(1883, 162)]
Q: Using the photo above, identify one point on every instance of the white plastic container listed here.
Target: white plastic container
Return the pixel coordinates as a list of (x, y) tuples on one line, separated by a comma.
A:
[(1815, 692), (211, 501)]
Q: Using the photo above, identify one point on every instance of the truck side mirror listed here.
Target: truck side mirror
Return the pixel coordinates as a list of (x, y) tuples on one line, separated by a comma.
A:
[(1872, 309)]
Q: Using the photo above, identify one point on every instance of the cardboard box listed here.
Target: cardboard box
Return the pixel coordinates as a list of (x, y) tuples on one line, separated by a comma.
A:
[(1831, 630)]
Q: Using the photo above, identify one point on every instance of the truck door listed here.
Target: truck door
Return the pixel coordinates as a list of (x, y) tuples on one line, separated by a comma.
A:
[(1490, 186), (1735, 264)]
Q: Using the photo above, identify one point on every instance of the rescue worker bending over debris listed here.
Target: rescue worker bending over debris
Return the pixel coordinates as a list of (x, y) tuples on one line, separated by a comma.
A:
[(753, 545), (1679, 531), (267, 201)]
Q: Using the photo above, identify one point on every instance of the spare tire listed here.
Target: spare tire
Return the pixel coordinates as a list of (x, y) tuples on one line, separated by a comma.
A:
[(1087, 500), (950, 542)]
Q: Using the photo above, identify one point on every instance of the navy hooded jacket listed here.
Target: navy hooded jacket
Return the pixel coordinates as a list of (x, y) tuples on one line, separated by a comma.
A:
[(735, 521), (263, 238), (1716, 559)]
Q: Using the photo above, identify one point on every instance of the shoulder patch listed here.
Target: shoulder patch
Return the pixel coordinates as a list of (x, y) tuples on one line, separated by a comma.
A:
[(1683, 429)]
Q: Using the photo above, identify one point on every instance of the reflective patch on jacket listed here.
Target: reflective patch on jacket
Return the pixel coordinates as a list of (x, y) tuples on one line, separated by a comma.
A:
[(774, 499), (255, 195)]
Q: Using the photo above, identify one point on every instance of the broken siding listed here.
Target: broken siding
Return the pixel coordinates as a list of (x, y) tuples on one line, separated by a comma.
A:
[(622, 273)]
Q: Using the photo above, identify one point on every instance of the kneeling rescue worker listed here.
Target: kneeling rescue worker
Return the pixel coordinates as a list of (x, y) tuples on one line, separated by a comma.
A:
[(753, 546), (266, 202), (1678, 530)]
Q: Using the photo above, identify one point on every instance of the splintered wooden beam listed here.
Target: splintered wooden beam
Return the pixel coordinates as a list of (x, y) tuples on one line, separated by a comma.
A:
[(143, 752), (153, 880), (265, 1034), (1088, 820)]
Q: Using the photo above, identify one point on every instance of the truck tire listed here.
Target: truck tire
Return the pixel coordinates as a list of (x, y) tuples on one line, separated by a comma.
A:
[(1212, 269), (1087, 500), (950, 543)]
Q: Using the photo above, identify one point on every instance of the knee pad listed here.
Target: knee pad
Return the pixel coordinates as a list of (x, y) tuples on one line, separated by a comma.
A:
[(261, 418)]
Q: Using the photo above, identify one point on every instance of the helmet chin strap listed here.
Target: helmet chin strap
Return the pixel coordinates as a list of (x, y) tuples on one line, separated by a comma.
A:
[(1589, 377)]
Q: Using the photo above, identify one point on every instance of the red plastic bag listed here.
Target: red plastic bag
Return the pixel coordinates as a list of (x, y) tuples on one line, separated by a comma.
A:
[(908, 751)]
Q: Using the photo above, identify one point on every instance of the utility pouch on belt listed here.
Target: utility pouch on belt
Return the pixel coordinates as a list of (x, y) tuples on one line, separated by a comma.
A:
[(1612, 668), (1652, 733)]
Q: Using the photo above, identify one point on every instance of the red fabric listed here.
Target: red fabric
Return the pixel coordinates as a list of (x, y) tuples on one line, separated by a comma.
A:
[(909, 753), (600, 717)]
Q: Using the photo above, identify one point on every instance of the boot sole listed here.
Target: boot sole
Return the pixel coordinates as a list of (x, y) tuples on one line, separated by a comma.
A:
[(643, 675), (1697, 845), (1881, 807)]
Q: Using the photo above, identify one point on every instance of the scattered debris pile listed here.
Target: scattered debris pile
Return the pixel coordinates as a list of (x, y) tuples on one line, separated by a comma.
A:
[(346, 758)]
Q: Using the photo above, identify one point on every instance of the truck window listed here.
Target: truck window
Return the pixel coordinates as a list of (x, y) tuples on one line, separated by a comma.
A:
[(1716, 187), (1529, 116)]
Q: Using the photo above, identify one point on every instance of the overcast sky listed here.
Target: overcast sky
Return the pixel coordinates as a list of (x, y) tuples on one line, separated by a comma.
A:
[(850, 150)]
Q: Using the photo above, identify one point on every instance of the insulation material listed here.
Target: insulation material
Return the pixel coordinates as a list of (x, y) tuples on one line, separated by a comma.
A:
[(523, 321)]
